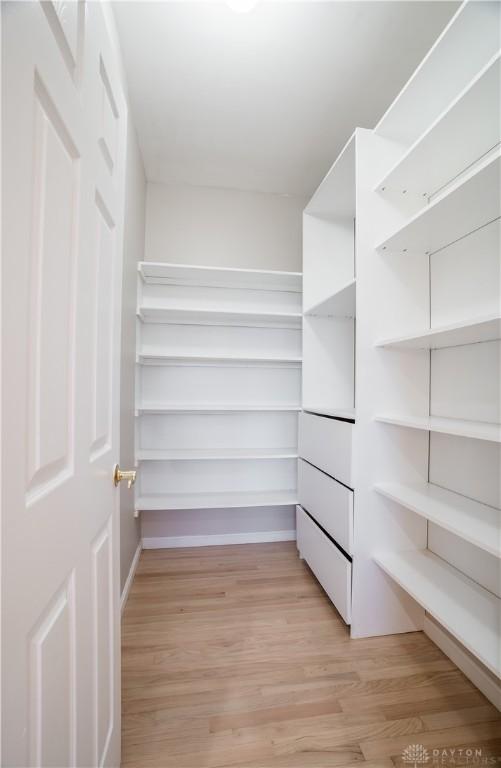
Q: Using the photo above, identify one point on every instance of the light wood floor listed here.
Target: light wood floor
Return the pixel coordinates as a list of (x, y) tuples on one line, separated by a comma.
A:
[(233, 656)]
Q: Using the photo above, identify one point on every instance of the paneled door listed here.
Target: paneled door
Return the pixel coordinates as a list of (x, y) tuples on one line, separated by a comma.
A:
[(64, 139)]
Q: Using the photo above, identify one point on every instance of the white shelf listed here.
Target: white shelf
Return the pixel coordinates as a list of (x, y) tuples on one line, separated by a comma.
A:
[(474, 522), (470, 203), (467, 129), (194, 454), (158, 501), (219, 277), (159, 408), (335, 413), (342, 303), (335, 196), (208, 316), (466, 610), (466, 332), (152, 358), (478, 430)]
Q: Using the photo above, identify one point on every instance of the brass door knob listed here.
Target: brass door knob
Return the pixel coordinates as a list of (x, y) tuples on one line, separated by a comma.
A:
[(119, 475)]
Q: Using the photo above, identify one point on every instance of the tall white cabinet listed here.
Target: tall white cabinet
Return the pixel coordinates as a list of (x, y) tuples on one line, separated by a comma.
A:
[(218, 387), (423, 353)]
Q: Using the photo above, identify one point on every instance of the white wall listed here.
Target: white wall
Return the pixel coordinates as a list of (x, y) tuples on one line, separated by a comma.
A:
[(222, 227), (134, 228), (225, 228)]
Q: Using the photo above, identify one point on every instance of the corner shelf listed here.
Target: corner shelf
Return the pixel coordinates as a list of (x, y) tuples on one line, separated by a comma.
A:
[(159, 501), (342, 303), (194, 454), (472, 521), (478, 430), (162, 273), (470, 203), (456, 334), (160, 408), (468, 127), (152, 358), (466, 610)]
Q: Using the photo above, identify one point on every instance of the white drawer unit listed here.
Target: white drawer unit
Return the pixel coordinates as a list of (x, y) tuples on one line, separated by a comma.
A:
[(328, 444), (330, 566), (329, 502)]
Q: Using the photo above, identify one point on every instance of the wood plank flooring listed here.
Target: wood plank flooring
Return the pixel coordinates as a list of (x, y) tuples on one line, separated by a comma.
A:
[(233, 656)]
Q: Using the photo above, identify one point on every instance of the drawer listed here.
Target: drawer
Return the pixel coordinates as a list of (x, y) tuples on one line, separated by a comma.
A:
[(328, 444), (330, 566), (329, 502)]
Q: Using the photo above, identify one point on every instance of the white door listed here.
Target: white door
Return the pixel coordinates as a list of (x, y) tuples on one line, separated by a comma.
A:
[(64, 126)]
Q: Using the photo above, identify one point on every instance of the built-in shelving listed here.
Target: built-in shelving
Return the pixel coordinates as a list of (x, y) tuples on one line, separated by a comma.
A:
[(468, 204), (153, 358), (478, 430), (347, 414), (211, 316), (342, 303), (196, 454), (162, 501), (456, 334), (162, 273), (159, 408), (218, 373), (468, 127), (472, 521), (465, 609)]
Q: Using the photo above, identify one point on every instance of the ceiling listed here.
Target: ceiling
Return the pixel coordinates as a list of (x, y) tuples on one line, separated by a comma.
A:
[(265, 100)]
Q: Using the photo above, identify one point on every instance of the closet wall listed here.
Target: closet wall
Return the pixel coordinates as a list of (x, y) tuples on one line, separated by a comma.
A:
[(222, 228)]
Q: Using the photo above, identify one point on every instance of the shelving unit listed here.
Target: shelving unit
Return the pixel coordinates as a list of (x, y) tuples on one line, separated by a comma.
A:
[(428, 511), (466, 610), (218, 388), (325, 514)]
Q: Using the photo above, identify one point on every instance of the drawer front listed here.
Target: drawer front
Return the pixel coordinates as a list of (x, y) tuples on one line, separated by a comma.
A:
[(329, 502), (327, 443), (330, 566)]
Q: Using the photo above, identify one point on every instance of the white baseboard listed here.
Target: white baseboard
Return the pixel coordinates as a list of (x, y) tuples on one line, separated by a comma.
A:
[(489, 685), (130, 577), (257, 537)]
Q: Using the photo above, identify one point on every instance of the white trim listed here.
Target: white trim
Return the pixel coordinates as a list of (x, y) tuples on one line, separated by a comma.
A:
[(130, 577), (253, 537), (474, 671)]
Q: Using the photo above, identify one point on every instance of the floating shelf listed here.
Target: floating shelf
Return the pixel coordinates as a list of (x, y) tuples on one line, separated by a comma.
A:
[(207, 316), (196, 454), (468, 128), (472, 202), (151, 358), (335, 195), (335, 413), (220, 277), (159, 501), (342, 303), (466, 332), (466, 610), (159, 408), (470, 520), (479, 430)]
